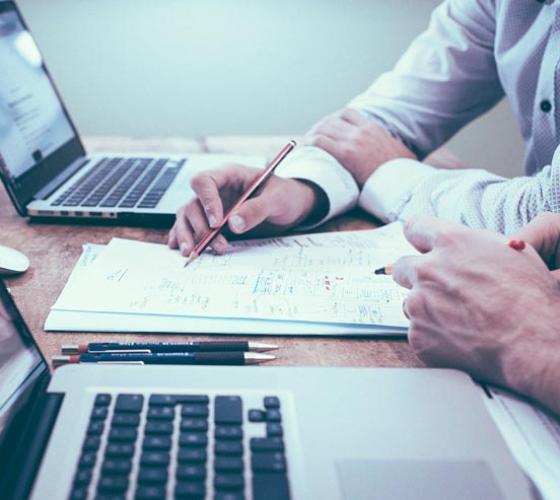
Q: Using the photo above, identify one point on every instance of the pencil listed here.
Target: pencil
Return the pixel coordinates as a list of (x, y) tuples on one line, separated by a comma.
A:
[(154, 347), (518, 245), (256, 184), (387, 270)]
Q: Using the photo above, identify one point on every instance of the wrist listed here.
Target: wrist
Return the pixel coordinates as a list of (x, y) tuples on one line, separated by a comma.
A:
[(532, 363), (361, 176), (314, 202)]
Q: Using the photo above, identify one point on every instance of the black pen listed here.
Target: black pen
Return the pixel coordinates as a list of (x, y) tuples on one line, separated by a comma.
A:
[(183, 358), (154, 347)]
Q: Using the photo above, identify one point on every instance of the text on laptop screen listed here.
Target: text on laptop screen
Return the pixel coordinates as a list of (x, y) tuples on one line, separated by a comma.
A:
[(32, 121), (20, 363)]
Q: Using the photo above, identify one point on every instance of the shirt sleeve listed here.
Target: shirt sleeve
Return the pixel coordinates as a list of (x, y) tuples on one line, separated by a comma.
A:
[(472, 197), (445, 79), (314, 165)]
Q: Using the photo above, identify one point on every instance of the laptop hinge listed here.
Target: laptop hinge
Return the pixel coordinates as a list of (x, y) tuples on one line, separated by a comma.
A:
[(60, 179), (34, 438)]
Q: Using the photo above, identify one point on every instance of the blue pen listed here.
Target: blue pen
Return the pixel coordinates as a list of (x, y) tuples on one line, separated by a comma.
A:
[(185, 358)]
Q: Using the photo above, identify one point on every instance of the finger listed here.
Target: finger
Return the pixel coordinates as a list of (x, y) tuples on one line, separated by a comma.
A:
[(353, 117), (183, 231), (200, 227), (327, 144), (543, 234), (207, 187), (252, 213), (405, 271), (172, 238), (424, 231), (219, 244), (405, 312)]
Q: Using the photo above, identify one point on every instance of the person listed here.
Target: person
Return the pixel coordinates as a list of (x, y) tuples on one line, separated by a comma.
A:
[(473, 53), (479, 306)]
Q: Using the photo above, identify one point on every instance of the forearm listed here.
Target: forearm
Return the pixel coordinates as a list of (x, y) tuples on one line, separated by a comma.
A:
[(531, 365)]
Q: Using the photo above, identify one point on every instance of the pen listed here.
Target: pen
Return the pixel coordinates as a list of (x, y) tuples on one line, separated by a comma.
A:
[(184, 358), (518, 245), (256, 184), (154, 347)]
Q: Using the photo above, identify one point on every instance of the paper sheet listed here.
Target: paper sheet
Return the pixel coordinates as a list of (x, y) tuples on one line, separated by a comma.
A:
[(317, 278), (308, 284), (533, 436)]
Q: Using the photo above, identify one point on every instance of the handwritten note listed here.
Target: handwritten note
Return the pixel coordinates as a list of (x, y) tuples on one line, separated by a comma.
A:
[(322, 278)]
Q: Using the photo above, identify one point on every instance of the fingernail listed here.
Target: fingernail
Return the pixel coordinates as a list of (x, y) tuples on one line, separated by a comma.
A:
[(212, 221), (183, 247), (237, 223)]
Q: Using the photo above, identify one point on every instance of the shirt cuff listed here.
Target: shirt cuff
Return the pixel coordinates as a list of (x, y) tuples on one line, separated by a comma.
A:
[(320, 168), (388, 190)]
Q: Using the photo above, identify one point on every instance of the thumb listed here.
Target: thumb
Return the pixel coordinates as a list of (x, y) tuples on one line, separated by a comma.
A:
[(249, 215), (556, 275), (543, 234)]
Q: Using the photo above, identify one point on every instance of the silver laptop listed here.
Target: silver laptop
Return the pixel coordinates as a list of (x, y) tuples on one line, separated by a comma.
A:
[(229, 433), (43, 163)]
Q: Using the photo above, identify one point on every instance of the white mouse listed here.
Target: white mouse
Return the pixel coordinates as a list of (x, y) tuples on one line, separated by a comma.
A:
[(12, 261)]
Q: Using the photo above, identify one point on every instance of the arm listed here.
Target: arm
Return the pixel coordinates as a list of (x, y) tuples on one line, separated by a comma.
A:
[(473, 197), (478, 305), (446, 78)]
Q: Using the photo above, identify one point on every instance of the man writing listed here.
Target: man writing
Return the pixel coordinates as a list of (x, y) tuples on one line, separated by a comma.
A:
[(475, 304), (473, 53)]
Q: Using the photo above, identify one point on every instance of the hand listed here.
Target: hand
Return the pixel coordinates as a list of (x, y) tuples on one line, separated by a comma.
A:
[(281, 204), (543, 234), (479, 306), (359, 145)]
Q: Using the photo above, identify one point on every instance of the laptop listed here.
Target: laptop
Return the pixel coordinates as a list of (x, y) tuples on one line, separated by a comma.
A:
[(229, 433), (44, 165)]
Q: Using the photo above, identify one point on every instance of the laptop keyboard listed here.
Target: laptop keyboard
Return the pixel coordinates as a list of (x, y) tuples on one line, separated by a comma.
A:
[(182, 446), (121, 182)]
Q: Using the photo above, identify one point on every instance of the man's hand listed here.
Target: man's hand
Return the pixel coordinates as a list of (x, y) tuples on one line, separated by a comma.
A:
[(359, 145), (281, 204), (478, 305)]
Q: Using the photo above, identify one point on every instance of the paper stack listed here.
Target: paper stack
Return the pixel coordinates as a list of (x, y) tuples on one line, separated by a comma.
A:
[(314, 284)]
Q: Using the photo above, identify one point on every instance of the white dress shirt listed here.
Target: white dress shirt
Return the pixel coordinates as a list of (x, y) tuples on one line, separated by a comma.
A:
[(473, 53)]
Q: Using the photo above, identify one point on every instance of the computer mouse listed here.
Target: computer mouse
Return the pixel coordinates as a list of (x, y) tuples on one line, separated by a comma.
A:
[(12, 261)]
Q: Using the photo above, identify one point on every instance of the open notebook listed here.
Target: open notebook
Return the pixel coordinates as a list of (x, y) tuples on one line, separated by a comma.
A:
[(316, 284)]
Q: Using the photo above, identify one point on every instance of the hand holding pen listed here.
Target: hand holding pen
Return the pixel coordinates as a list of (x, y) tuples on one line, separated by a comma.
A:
[(217, 191)]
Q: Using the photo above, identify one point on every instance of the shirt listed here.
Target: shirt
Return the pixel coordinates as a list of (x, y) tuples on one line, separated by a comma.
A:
[(472, 54)]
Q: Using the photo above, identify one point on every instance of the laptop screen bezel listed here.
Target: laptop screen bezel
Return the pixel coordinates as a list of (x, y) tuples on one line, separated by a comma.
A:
[(7, 301), (23, 188)]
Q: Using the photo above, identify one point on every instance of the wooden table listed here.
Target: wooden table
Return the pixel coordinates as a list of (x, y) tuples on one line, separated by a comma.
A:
[(53, 249)]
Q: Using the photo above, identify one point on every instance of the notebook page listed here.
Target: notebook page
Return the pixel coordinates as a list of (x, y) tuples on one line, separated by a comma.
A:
[(324, 278)]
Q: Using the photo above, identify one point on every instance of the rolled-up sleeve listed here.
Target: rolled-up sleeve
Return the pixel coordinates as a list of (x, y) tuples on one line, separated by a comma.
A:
[(473, 197)]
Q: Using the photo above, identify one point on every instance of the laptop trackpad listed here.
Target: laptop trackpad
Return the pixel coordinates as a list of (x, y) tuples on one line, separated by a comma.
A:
[(416, 480)]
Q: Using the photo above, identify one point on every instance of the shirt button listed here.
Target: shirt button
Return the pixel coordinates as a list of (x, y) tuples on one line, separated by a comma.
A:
[(546, 106)]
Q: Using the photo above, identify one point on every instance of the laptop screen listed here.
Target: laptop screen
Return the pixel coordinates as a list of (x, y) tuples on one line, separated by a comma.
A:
[(33, 124), (21, 363)]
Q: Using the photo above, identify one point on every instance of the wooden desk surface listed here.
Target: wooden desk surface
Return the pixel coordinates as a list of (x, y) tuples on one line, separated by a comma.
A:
[(53, 249)]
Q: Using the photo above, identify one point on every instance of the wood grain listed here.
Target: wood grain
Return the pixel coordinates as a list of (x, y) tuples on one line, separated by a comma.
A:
[(53, 249)]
